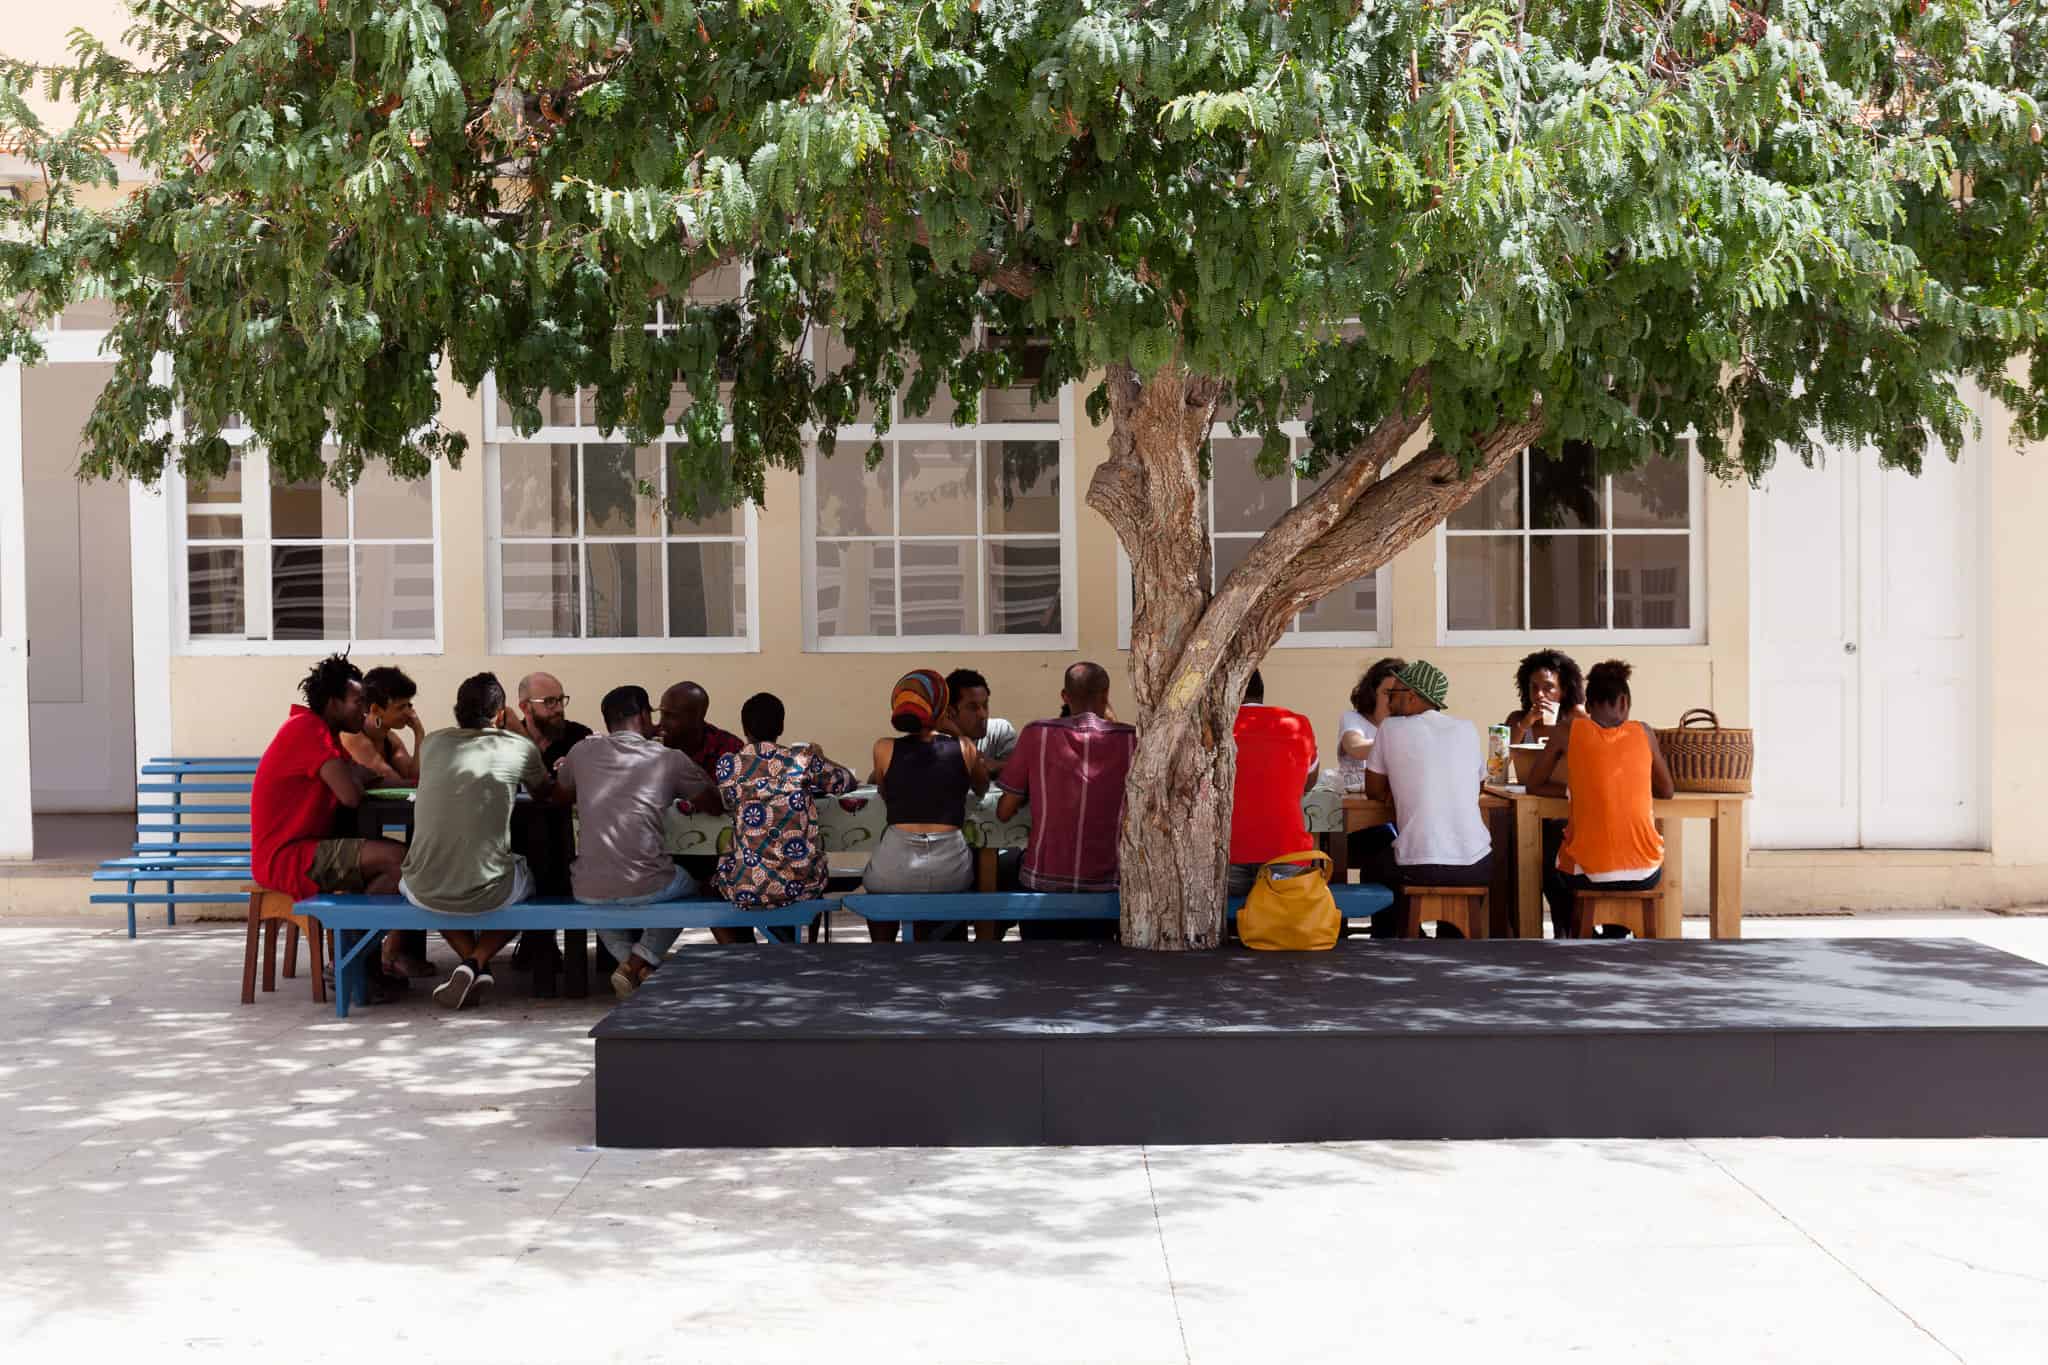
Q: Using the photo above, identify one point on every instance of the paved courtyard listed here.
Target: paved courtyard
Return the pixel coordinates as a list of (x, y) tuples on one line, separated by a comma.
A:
[(187, 1178)]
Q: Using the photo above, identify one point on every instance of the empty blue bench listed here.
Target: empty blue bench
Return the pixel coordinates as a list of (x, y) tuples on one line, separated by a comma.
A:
[(1355, 900), (360, 922), (190, 828)]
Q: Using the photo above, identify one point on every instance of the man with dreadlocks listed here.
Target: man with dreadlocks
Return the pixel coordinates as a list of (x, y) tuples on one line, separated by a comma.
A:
[(303, 777)]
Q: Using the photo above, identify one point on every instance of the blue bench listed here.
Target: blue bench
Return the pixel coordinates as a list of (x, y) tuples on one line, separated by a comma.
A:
[(1355, 900), (360, 922), (204, 842)]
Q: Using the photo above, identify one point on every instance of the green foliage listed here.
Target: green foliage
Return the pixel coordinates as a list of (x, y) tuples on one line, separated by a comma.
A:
[(1661, 220)]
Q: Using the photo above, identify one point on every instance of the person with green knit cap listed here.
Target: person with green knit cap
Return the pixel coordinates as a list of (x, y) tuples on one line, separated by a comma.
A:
[(1429, 764)]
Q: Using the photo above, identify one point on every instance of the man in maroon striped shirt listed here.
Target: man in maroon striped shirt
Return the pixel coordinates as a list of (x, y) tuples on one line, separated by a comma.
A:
[(1071, 771)]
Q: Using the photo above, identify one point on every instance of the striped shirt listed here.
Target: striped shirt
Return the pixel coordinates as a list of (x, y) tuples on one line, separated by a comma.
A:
[(1072, 772)]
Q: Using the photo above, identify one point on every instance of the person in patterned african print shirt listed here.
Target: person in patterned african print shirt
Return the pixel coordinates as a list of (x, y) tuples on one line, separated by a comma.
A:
[(777, 858)]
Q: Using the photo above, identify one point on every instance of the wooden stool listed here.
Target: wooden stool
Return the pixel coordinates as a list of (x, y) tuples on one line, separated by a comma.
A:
[(267, 910), (1635, 911), (1461, 907)]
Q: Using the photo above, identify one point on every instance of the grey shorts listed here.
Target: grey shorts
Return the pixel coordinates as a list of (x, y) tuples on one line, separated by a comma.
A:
[(920, 864), (338, 866)]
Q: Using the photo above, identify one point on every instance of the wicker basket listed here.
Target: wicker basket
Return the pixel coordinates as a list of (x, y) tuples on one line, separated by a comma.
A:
[(1703, 757)]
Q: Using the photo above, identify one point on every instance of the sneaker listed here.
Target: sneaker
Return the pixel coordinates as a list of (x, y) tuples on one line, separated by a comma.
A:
[(455, 992), (627, 977), (481, 991)]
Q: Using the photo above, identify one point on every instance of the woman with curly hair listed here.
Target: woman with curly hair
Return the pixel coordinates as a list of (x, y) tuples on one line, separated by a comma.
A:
[(1552, 689)]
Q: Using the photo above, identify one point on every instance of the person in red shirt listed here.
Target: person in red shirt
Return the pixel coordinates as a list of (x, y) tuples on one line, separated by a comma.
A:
[(1276, 765), (303, 777)]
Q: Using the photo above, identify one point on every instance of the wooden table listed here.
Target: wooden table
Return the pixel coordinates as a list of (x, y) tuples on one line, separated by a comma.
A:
[(1724, 812)]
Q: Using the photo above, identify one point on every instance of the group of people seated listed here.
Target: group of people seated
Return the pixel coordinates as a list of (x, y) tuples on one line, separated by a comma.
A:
[(361, 731), (1401, 744)]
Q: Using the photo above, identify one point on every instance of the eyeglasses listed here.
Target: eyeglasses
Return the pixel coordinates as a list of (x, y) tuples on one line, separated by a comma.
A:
[(551, 701)]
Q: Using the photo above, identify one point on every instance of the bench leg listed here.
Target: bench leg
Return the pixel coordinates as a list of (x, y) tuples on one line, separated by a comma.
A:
[(313, 963), (269, 955), (576, 963), (131, 911), (547, 965), (248, 949)]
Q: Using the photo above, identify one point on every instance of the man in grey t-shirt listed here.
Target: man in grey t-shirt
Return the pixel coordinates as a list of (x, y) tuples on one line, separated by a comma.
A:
[(967, 716), (624, 783), (460, 859)]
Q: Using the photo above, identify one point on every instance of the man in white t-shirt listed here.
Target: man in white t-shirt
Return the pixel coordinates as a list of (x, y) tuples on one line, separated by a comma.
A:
[(967, 715), (1430, 765)]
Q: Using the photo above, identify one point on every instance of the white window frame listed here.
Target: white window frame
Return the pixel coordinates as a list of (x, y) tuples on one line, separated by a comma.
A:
[(853, 441), (495, 541), (1382, 577), (1695, 633), (256, 544)]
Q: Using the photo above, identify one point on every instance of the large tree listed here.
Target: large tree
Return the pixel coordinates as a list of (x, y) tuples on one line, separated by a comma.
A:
[(1443, 231)]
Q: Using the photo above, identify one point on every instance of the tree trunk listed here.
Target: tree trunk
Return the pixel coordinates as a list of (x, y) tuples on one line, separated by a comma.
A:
[(1192, 649)]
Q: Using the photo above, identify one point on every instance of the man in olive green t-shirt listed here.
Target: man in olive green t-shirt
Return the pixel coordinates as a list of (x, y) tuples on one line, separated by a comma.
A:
[(460, 860)]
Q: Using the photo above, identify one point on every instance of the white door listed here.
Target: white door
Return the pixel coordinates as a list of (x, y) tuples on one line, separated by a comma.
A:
[(1869, 722), (17, 827), (81, 675)]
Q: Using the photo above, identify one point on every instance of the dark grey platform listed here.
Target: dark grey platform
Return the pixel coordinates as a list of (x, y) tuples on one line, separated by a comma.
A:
[(960, 1045)]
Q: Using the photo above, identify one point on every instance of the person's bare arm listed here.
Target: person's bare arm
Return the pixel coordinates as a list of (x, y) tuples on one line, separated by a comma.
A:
[(562, 791), (884, 747), (1008, 805), (340, 776), (407, 764), (977, 771), (1662, 787), (1354, 744), (1541, 781)]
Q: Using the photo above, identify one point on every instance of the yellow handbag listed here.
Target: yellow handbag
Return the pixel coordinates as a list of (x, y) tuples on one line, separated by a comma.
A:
[(1291, 914)]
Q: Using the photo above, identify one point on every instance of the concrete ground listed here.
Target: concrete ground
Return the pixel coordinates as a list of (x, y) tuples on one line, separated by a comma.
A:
[(188, 1178)]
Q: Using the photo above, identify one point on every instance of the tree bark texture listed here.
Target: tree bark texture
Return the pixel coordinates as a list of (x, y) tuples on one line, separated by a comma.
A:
[(1193, 650)]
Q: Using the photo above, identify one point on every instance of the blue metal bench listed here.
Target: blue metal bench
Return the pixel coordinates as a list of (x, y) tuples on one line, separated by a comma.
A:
[(360, 922), (1355, 900), (199, 844)]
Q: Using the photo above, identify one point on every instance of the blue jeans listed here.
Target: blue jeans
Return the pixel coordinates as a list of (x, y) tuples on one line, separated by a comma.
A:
[(648, 944)]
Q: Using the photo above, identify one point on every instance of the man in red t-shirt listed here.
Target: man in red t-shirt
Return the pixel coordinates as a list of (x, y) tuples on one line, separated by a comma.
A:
[(303, 776), (1276, 765)]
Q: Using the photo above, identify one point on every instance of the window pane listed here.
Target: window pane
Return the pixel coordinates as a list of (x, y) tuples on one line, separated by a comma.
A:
[(1230, 551), (312, 510), (1652, 582), (1564, 492), (625, 592), (214, 589), (1353, 607), (1497, 506), (537, 490), (1013, 404), (1566, 591), (856, 589), (309, 592), (213, 508), (395, 592), (1024, 587), (1244, 500), (723, 285), (938, 588), (852, 499), (539, 592), (1021, 487), (938, 487), (707, 590), (1483, 582), (612, 504), (1657, 496), (391, 508), (941, 408)]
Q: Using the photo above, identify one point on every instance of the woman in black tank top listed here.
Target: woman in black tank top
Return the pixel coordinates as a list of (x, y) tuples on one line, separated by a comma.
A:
[(924, 776)]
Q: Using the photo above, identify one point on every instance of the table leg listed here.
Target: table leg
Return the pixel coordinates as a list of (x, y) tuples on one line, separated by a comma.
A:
[(547, 965), (1337, 843), (1724, 886), (1528, 871), (1500, 888), (576, 963), (985, 870), (1670, 909)]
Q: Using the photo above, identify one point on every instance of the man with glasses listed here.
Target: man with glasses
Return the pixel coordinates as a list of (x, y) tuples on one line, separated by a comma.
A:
[(543, 718)]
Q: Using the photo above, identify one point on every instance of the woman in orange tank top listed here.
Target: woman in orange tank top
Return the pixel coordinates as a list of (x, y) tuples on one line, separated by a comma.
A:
[(1617, 769)]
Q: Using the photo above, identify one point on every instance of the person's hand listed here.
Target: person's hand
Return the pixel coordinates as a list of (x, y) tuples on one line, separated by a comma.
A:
[(1545, 713), (1109, 713), (419, 731)]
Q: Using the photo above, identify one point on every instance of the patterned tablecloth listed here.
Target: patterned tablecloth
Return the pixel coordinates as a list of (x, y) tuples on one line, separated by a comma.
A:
[(852, 823)]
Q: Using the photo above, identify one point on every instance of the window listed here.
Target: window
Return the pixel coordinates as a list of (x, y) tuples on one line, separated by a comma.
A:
[(1242, 506), (586, 550), (288, 568), (961, 534), (1554, 547)]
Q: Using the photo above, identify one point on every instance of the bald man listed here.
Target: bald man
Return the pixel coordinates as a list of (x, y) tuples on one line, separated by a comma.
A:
[(685, 729), (543, 718)]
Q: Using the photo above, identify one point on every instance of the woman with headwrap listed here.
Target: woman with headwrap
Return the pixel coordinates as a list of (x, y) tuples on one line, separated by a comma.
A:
[(924, 776)]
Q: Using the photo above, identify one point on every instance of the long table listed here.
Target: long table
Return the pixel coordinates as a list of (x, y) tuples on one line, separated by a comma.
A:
[(1522, 831), (854, 823)]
